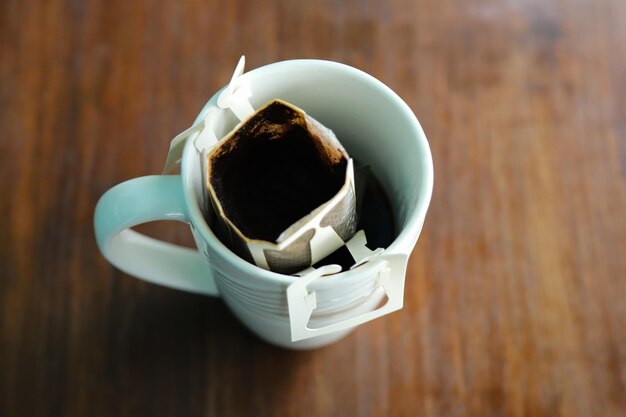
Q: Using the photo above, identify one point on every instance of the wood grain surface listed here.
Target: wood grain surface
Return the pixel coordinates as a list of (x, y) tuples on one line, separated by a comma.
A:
[(515, 300)]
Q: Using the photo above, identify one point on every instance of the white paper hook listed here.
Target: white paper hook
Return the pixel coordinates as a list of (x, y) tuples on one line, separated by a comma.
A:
[(203, 136), (206, 139), (390, 270), (359, 251), (235, 95), (177, 144)]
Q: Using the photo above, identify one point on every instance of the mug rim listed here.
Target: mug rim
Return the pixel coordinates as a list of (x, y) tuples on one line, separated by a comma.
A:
[(412, 226)]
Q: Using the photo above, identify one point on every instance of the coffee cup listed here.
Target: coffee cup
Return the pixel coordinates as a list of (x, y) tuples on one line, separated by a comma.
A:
[(374, 125)]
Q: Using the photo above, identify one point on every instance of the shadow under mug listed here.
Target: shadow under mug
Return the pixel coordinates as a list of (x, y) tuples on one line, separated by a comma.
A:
[(375, 126)]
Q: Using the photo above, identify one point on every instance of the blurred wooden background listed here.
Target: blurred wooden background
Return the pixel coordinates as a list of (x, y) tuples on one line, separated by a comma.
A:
[(516, 292)]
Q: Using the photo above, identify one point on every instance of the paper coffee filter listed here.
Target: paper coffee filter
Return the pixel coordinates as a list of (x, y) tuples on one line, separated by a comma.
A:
[(316, 234)]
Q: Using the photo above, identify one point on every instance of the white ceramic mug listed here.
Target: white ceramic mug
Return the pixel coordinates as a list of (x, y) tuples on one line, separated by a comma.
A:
[(375, 126)]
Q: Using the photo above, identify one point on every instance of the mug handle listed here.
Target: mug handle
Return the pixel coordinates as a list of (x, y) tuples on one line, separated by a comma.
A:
[(142, 200)]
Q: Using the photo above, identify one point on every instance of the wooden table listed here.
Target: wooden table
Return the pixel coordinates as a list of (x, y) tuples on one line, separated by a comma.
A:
[(515, 299)]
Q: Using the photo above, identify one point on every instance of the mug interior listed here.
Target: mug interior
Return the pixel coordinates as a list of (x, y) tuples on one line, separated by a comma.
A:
[(375, 126)]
